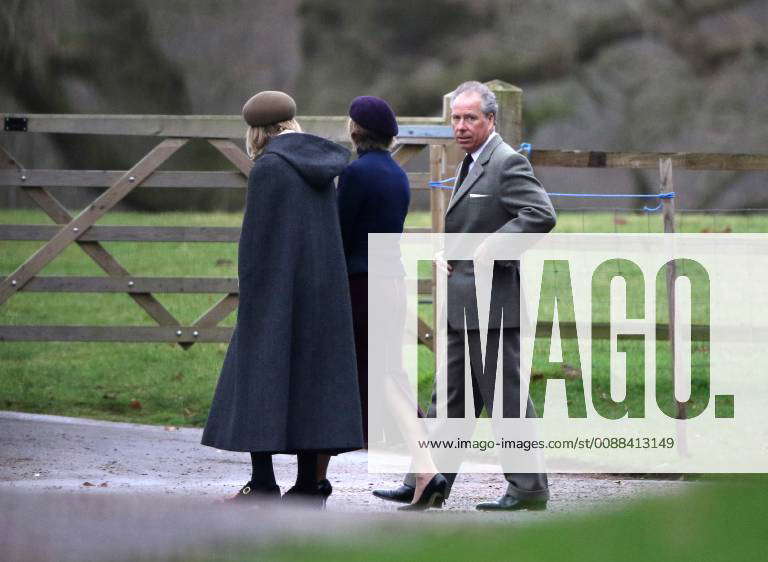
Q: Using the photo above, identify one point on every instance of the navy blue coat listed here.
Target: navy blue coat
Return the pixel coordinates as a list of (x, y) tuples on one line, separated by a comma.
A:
[(289, 380), (373, 196)]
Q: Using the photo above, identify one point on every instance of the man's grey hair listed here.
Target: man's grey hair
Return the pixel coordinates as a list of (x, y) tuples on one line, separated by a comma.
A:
[(488, 103)]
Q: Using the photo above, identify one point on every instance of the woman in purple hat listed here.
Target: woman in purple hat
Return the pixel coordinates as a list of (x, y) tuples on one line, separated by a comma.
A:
[(373, 196)]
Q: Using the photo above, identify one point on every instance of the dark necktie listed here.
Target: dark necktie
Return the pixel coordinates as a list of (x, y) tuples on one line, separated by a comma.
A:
[(464, 169)]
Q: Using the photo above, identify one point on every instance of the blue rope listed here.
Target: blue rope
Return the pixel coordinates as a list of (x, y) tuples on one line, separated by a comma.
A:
[(670, 195), (440, 184), (526, 148), (652, 209)]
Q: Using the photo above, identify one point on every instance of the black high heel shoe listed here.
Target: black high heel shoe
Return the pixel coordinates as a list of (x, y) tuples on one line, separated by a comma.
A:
[(432, 496), (309, 497), (255, 494), (325, 489)]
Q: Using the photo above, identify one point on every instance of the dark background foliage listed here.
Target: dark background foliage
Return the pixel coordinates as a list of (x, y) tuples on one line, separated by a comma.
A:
[(682, 75)]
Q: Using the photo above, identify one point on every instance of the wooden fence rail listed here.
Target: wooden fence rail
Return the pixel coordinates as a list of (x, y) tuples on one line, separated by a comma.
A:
[(173, 132), (75, 284), (126, 233), (158, 180), (183, 126), (190, 335)]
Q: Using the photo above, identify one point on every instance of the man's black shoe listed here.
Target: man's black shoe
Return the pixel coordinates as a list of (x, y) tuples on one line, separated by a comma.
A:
[(511, 503), (403, 494)]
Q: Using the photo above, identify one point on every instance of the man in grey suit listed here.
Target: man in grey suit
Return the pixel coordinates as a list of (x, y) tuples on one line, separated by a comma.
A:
[(495, 192)]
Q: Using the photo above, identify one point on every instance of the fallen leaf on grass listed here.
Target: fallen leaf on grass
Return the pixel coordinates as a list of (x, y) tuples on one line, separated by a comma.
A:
[(135, 404), (222, 262), (619, 220), (178, 376)]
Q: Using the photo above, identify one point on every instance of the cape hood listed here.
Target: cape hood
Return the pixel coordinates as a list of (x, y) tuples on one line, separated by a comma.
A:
[(317, 160)]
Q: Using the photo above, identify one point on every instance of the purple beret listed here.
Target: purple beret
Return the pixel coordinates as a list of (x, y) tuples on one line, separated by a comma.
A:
[(374, 114)]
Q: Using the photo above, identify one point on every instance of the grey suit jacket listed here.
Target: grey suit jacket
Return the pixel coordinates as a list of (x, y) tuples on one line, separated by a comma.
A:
[(500, 194)]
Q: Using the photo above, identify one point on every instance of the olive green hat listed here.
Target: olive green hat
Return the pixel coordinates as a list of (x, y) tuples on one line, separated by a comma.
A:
[(269, 107)]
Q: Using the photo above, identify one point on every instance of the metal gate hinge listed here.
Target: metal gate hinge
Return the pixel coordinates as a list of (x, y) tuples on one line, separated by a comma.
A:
[(16, 124)]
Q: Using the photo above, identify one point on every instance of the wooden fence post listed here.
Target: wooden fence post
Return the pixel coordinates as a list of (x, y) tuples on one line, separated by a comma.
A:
[(509, 121), (668, 211), (443, 159), (450, 156)]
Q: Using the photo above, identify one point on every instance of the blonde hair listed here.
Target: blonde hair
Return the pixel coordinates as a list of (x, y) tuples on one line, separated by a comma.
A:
[(365, 139), (256, 138)]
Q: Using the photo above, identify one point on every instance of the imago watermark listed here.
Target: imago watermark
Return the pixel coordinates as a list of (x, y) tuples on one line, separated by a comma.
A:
[(583, 353)]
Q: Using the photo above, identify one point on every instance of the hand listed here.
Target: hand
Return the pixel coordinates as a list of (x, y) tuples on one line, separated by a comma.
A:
[(482, 255), (443, 265)]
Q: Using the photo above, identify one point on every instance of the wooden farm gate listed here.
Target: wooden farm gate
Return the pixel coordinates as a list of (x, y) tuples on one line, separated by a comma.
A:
[(416, 134)]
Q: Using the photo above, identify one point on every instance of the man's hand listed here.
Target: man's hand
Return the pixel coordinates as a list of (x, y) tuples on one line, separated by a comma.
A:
[(442, 264), (483, 255)]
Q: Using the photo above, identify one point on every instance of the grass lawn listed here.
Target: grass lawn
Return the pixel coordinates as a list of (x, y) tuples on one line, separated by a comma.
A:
[(164, 384)]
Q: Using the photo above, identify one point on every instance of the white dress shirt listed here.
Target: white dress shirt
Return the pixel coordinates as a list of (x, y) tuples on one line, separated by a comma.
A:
[(477, 152)]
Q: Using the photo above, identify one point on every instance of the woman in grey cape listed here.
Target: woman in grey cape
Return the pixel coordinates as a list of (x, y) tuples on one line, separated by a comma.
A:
[(288, 384)]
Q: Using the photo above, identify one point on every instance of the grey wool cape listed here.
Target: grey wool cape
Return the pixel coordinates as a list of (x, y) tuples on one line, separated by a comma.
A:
[(289, 381)]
